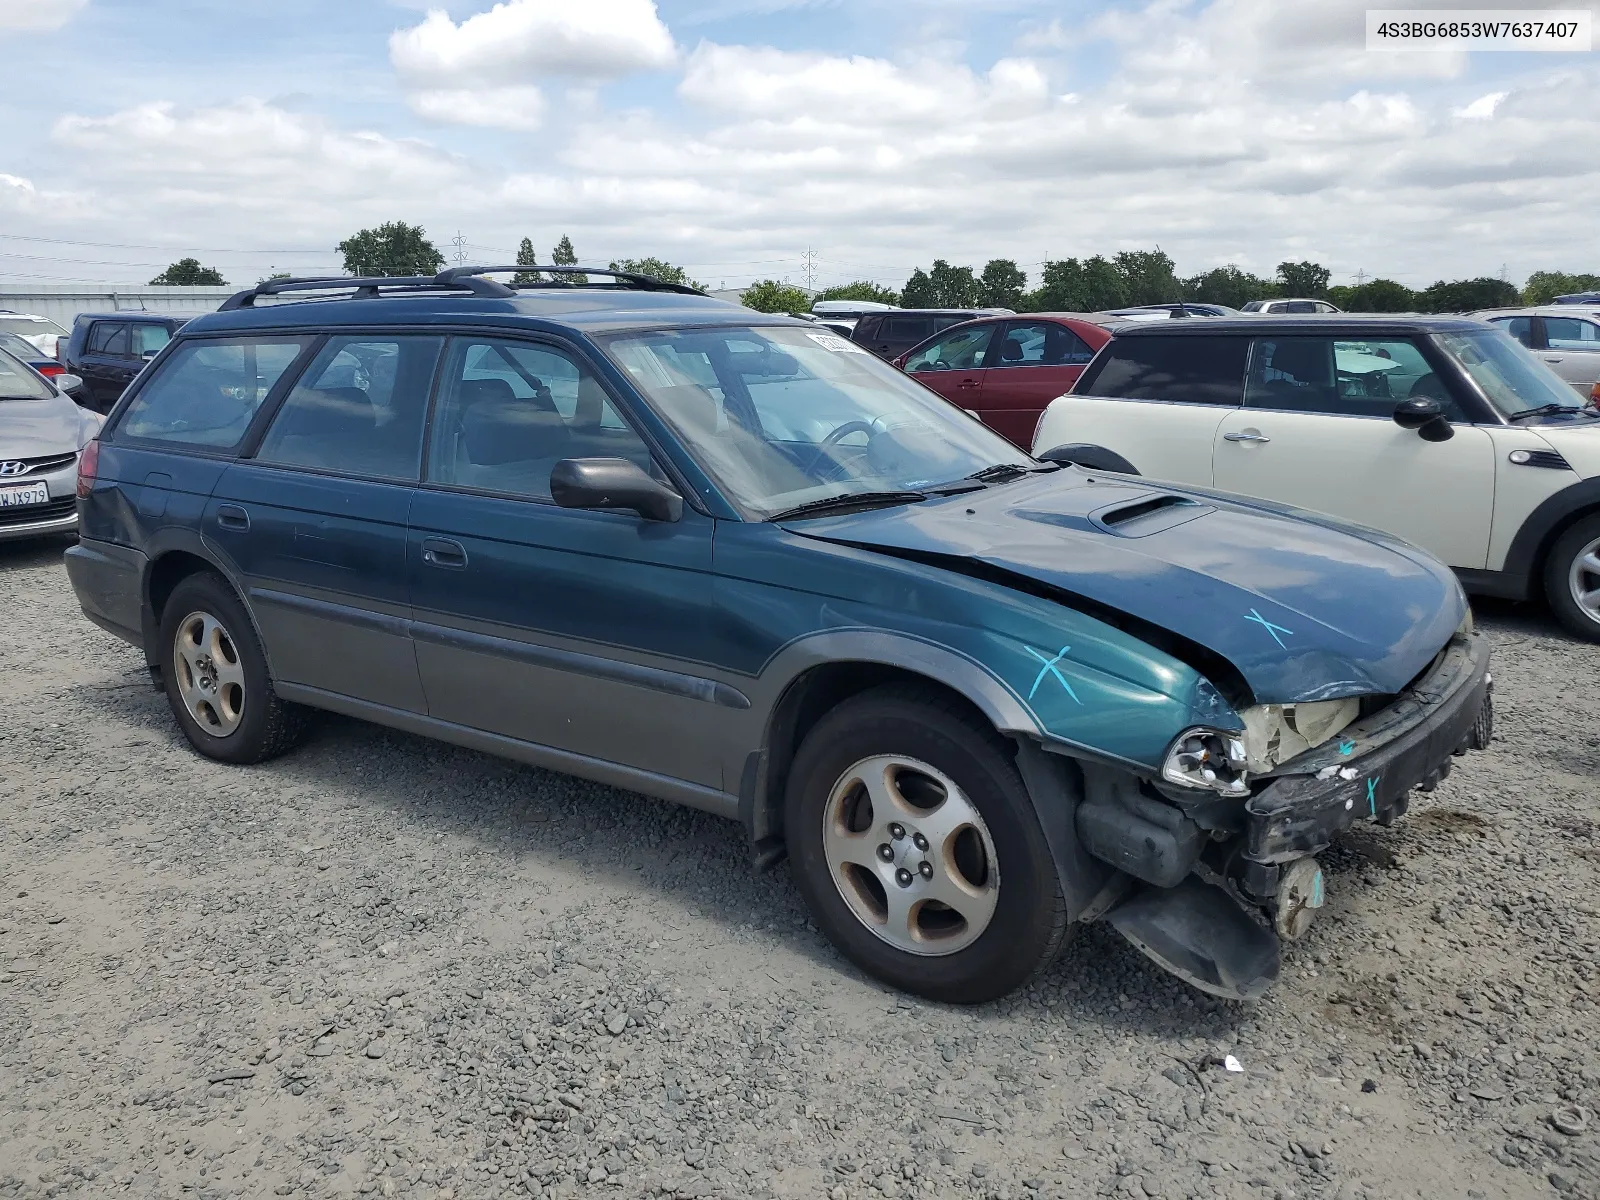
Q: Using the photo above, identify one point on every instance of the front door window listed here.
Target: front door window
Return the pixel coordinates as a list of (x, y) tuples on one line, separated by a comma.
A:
[(960, 350)]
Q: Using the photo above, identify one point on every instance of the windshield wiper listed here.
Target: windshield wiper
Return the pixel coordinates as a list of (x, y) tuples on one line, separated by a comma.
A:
[(999, 472), (1545, 410), (852, 501)]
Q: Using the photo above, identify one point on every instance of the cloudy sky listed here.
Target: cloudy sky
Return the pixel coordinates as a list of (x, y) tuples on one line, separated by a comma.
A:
[(733, 136)]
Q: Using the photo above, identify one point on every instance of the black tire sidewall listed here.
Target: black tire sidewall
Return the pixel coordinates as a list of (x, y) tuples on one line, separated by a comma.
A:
[(1026, 926), (1557, 567), (209, 593)]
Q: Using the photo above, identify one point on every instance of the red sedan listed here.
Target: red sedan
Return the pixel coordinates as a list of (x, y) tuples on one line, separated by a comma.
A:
[(1004, 370)]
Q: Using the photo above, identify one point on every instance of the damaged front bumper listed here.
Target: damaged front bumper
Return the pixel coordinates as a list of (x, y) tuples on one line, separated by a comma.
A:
[(1219, 926)]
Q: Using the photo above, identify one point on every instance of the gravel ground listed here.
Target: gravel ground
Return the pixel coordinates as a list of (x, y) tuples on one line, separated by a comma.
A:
[(387, 966)]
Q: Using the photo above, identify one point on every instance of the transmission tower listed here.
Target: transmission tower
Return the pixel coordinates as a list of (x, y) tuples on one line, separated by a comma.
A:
[(810, 259), (460, 243), (1361, 277)]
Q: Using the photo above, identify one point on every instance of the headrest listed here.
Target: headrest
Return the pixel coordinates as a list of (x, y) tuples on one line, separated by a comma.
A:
[(497, 432)]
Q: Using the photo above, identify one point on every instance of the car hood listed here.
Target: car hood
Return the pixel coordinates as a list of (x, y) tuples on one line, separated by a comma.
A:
[(36, 428), (1303, 607)]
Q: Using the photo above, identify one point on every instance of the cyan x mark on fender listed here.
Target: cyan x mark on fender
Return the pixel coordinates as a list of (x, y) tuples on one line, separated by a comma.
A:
[(1049, 668), (1274, 630)]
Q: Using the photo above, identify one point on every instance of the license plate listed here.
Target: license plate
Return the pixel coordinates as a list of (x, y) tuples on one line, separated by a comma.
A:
[(14, 495)]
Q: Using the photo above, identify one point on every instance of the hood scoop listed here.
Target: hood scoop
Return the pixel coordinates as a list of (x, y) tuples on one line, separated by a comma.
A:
[(1148, 514)]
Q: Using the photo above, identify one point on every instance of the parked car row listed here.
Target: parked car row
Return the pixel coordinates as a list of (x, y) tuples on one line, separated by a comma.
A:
[(1566, 336), (737, 561)]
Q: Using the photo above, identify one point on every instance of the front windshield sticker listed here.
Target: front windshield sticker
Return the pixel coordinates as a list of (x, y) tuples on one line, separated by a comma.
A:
[(838, 345), (1049, 668), (1274, 630)]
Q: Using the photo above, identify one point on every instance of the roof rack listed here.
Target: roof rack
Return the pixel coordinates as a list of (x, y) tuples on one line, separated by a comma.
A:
[(453, 279)]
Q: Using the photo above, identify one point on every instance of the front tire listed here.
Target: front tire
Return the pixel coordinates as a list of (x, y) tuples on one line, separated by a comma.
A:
[(917, 849), (1572, 579), (216, 677)]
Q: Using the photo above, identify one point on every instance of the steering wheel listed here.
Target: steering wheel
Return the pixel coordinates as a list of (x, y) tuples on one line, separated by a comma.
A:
[(833, 439), (845, 430)]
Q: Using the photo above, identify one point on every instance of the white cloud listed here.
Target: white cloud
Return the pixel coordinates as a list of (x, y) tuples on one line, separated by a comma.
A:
[(518, 107), (522, 39), (35, 15), (1483, 107)]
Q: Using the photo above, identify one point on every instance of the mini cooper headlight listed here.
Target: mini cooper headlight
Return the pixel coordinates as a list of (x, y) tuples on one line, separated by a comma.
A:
[(1208, 758)]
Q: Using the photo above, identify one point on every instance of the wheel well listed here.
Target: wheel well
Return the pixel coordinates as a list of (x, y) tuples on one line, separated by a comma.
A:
[(1547, 543), (165, 574), (811, 696)]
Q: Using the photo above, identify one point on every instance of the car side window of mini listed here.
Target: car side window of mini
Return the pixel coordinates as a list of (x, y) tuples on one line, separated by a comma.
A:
[(1186, 369), (1343, 377)]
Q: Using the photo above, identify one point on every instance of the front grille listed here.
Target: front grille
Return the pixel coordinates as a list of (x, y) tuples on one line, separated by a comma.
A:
[(37, 466), (28, 514)]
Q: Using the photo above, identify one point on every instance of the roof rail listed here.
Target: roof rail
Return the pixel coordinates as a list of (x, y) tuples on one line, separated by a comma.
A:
[(454, 279)]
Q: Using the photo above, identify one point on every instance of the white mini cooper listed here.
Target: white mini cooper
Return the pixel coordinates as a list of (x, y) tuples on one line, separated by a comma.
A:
[(1441, 430)]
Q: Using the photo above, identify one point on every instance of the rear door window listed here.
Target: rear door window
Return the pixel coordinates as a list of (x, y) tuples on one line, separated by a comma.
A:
[(906, 330), (1040, 344), (359, 409), (1570, 333), (1184, 370), (109, 337), (149, 339), (207, 392)]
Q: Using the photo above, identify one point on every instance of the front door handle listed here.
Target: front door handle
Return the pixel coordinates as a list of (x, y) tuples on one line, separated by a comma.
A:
[(1249, 435), (442, 552), (1550, 359), (231, 516), (968, 383)]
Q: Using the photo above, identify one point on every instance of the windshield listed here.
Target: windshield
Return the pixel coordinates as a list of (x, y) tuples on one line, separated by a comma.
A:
[(1512, 379), (781, 417), (30, 326), (20, 346), (18, 381)]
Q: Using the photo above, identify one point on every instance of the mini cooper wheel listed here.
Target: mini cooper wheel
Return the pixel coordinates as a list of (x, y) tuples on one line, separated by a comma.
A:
[(918, 851), (1572, 579), (216, 677)]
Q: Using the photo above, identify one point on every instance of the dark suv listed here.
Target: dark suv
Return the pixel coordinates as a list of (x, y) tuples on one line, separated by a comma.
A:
[(891, 334), (623, 530), (107, 350)]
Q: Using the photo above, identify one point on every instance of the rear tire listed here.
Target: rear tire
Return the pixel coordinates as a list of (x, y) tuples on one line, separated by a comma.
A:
[(1572, 576), (216, 677), (904, 771)]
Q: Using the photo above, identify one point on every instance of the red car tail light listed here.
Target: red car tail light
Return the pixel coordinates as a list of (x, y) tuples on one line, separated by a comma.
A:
[(88, 466), (51, 370)]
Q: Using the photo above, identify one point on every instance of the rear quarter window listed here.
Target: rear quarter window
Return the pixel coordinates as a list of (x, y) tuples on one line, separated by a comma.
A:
[(207, 392), (1185, 370)]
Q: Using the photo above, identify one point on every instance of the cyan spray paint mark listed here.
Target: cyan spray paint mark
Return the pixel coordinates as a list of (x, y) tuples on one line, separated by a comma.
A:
[(1347, 747), (1372, 794), (1274, 630), (1049, 668)]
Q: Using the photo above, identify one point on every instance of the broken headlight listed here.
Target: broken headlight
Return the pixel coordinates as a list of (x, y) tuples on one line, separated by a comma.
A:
[(1208, 758), (1275, 733)]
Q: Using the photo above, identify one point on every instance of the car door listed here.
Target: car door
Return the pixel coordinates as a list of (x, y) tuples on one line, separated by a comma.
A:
[(1156, 399), (1032, 364), (1521, 328), (1317, 431), (955, 363), (1572, 348), (576, 630), (105, 358), (315, 520), (896, 334)]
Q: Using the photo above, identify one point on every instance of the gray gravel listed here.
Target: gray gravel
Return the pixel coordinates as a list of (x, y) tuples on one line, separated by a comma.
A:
[(385, 966)]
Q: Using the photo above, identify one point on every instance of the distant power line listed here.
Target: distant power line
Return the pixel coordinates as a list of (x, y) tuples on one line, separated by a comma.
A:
[(23, 237)]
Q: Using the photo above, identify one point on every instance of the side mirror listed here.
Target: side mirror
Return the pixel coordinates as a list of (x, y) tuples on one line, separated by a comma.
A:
[(67, 384), (1426, 416), (613, 484)]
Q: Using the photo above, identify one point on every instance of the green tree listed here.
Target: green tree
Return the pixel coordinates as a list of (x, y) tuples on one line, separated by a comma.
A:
[(955, 287), (275, 275), (1002, 283), (1071, 285), (565, 256), (1148, 277), (861, 289), (1304, 280), (393, 248), (919, 291), (1544, 286), (1227, 285), (187, 272), (526, 258), (1378, 296), (770, 296), (656, 268), (1468, 295)]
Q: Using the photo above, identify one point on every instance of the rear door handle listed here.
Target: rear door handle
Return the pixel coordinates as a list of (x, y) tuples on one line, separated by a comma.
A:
[(1550, 359), (231, 516), (968, 383), (1251, 436), (442, 552)]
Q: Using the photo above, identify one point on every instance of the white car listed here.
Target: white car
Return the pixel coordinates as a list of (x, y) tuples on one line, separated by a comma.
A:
[(1567, 336), (1440, 430), (1279, 308), (41, 332)]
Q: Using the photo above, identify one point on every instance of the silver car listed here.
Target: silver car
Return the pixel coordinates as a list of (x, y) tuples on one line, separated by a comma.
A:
[(41, 434), (1567, 336)]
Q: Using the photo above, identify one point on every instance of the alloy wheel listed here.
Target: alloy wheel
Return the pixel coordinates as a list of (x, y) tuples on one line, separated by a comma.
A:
[(209, 675), (1583, 578), (910, 855)]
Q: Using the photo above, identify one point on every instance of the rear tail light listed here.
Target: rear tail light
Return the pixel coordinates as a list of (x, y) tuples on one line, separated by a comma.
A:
[(88, 466), (1594, 394), (57, 354), (51, 370)]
